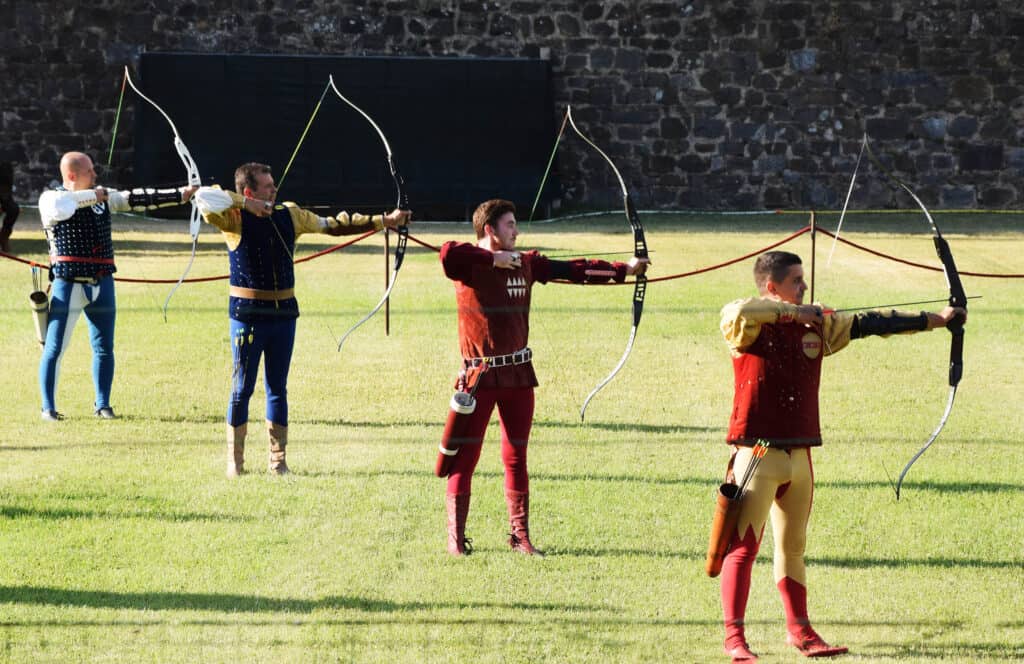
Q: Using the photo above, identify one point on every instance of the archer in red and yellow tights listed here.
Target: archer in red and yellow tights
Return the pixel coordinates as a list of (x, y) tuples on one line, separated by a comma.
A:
[(777, 345)]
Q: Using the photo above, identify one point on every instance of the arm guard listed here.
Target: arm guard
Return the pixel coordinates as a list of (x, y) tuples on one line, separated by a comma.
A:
[(582, 270), (140, 200), (883, 324), (342, 223)]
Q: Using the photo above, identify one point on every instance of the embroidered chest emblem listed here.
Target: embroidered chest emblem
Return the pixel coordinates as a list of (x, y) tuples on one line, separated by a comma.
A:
[(811, 344), (516, 287)]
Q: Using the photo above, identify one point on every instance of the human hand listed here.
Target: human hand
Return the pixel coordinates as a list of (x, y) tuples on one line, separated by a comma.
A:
[(508, 260), (397, 218), (946, 316), (637, 266), (809, 313), (258, 207), (188, 192), (101, 194)]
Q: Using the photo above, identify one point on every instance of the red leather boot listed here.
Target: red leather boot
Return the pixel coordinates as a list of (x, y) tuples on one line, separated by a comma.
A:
[(457, 505), (519, 522)]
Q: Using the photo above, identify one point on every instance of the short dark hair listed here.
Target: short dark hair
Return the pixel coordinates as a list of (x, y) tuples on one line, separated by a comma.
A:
[(488, 213), (245, 175), (773, 265)]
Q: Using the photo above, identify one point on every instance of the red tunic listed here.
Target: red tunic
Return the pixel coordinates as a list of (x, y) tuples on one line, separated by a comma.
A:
[(776, 387), (494, 304), (494, 308)]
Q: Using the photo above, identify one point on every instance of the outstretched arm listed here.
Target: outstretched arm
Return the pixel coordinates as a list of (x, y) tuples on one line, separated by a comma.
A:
[(583, 270), (144, 198), (344, 223)]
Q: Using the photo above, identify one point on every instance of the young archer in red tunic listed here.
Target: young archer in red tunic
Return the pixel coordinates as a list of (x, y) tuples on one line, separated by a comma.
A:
[(493, 283)]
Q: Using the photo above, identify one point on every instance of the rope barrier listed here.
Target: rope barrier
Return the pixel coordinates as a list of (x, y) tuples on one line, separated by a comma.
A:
[(193, 280), (874, 252), (424, 244), (681, 275)]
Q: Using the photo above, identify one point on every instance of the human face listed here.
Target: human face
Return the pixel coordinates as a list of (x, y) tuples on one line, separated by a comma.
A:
[(792, 288), (265, 189), (82, 174), (504, 232)]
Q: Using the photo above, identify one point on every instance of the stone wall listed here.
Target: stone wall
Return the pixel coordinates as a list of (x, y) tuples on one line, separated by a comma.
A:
[(701, 103)]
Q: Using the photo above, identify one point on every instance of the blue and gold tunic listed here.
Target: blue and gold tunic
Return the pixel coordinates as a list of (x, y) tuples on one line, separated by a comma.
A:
[(261, 250)]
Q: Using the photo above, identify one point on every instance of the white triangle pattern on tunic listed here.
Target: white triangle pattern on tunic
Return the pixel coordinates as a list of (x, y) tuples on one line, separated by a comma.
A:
[(516, 287)]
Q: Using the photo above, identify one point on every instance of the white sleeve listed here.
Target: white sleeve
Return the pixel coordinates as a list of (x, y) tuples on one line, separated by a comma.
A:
[(118, 200), (212, 200), (58, 206)]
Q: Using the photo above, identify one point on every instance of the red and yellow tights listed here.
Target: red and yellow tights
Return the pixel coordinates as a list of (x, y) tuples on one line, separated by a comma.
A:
[(782, 487)]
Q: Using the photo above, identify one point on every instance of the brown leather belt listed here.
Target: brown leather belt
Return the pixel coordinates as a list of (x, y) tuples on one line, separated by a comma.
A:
[(257, 294)]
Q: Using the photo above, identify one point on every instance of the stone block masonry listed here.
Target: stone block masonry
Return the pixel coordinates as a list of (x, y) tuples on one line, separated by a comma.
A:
[(718, 104)]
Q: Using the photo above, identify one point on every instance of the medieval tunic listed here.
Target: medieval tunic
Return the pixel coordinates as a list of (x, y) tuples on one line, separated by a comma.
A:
[(81, 246), (261, 306), (777, 371), (494, 320), (261, 249), (494, 304), (78, 232)]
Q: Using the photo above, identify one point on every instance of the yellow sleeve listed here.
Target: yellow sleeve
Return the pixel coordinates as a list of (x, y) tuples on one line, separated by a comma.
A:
[(836, 332), (342, 223), (742, 320)]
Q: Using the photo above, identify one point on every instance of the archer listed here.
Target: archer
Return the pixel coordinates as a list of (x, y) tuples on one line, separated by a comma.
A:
[(260, 237), (777, 345), (493, 283)]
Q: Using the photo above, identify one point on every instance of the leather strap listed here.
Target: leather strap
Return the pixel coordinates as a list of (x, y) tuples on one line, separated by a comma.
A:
[(257, 294)]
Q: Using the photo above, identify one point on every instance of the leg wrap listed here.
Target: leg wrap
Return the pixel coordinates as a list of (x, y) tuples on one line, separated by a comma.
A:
[(278, 442), (236, 449), (457, 506), (519, 522), (736, 572)]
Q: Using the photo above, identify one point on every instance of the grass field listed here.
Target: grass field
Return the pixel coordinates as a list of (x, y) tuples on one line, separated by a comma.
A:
[(123, 541)]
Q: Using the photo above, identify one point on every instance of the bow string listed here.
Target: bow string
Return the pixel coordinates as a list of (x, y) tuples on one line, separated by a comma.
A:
[(192, 174), (402, 203)]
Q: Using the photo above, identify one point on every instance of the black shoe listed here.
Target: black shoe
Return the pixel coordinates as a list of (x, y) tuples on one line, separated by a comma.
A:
[(51, 416), (106, 413)]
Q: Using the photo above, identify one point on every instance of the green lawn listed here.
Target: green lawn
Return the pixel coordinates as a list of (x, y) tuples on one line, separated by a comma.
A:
[(123, 541)]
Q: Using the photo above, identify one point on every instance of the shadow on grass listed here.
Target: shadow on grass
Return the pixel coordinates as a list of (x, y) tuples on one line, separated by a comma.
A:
[(537, 477), (61, 514), (850, 563), (524, 619), (212, 418), (232, 603), (595, 552), (619, 426), (932, 487), (905, 563), (538, 424), (963, 651), (697, 481)]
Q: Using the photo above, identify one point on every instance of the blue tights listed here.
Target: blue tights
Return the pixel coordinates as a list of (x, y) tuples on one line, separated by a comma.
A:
[(274, 341), (68, 300)]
